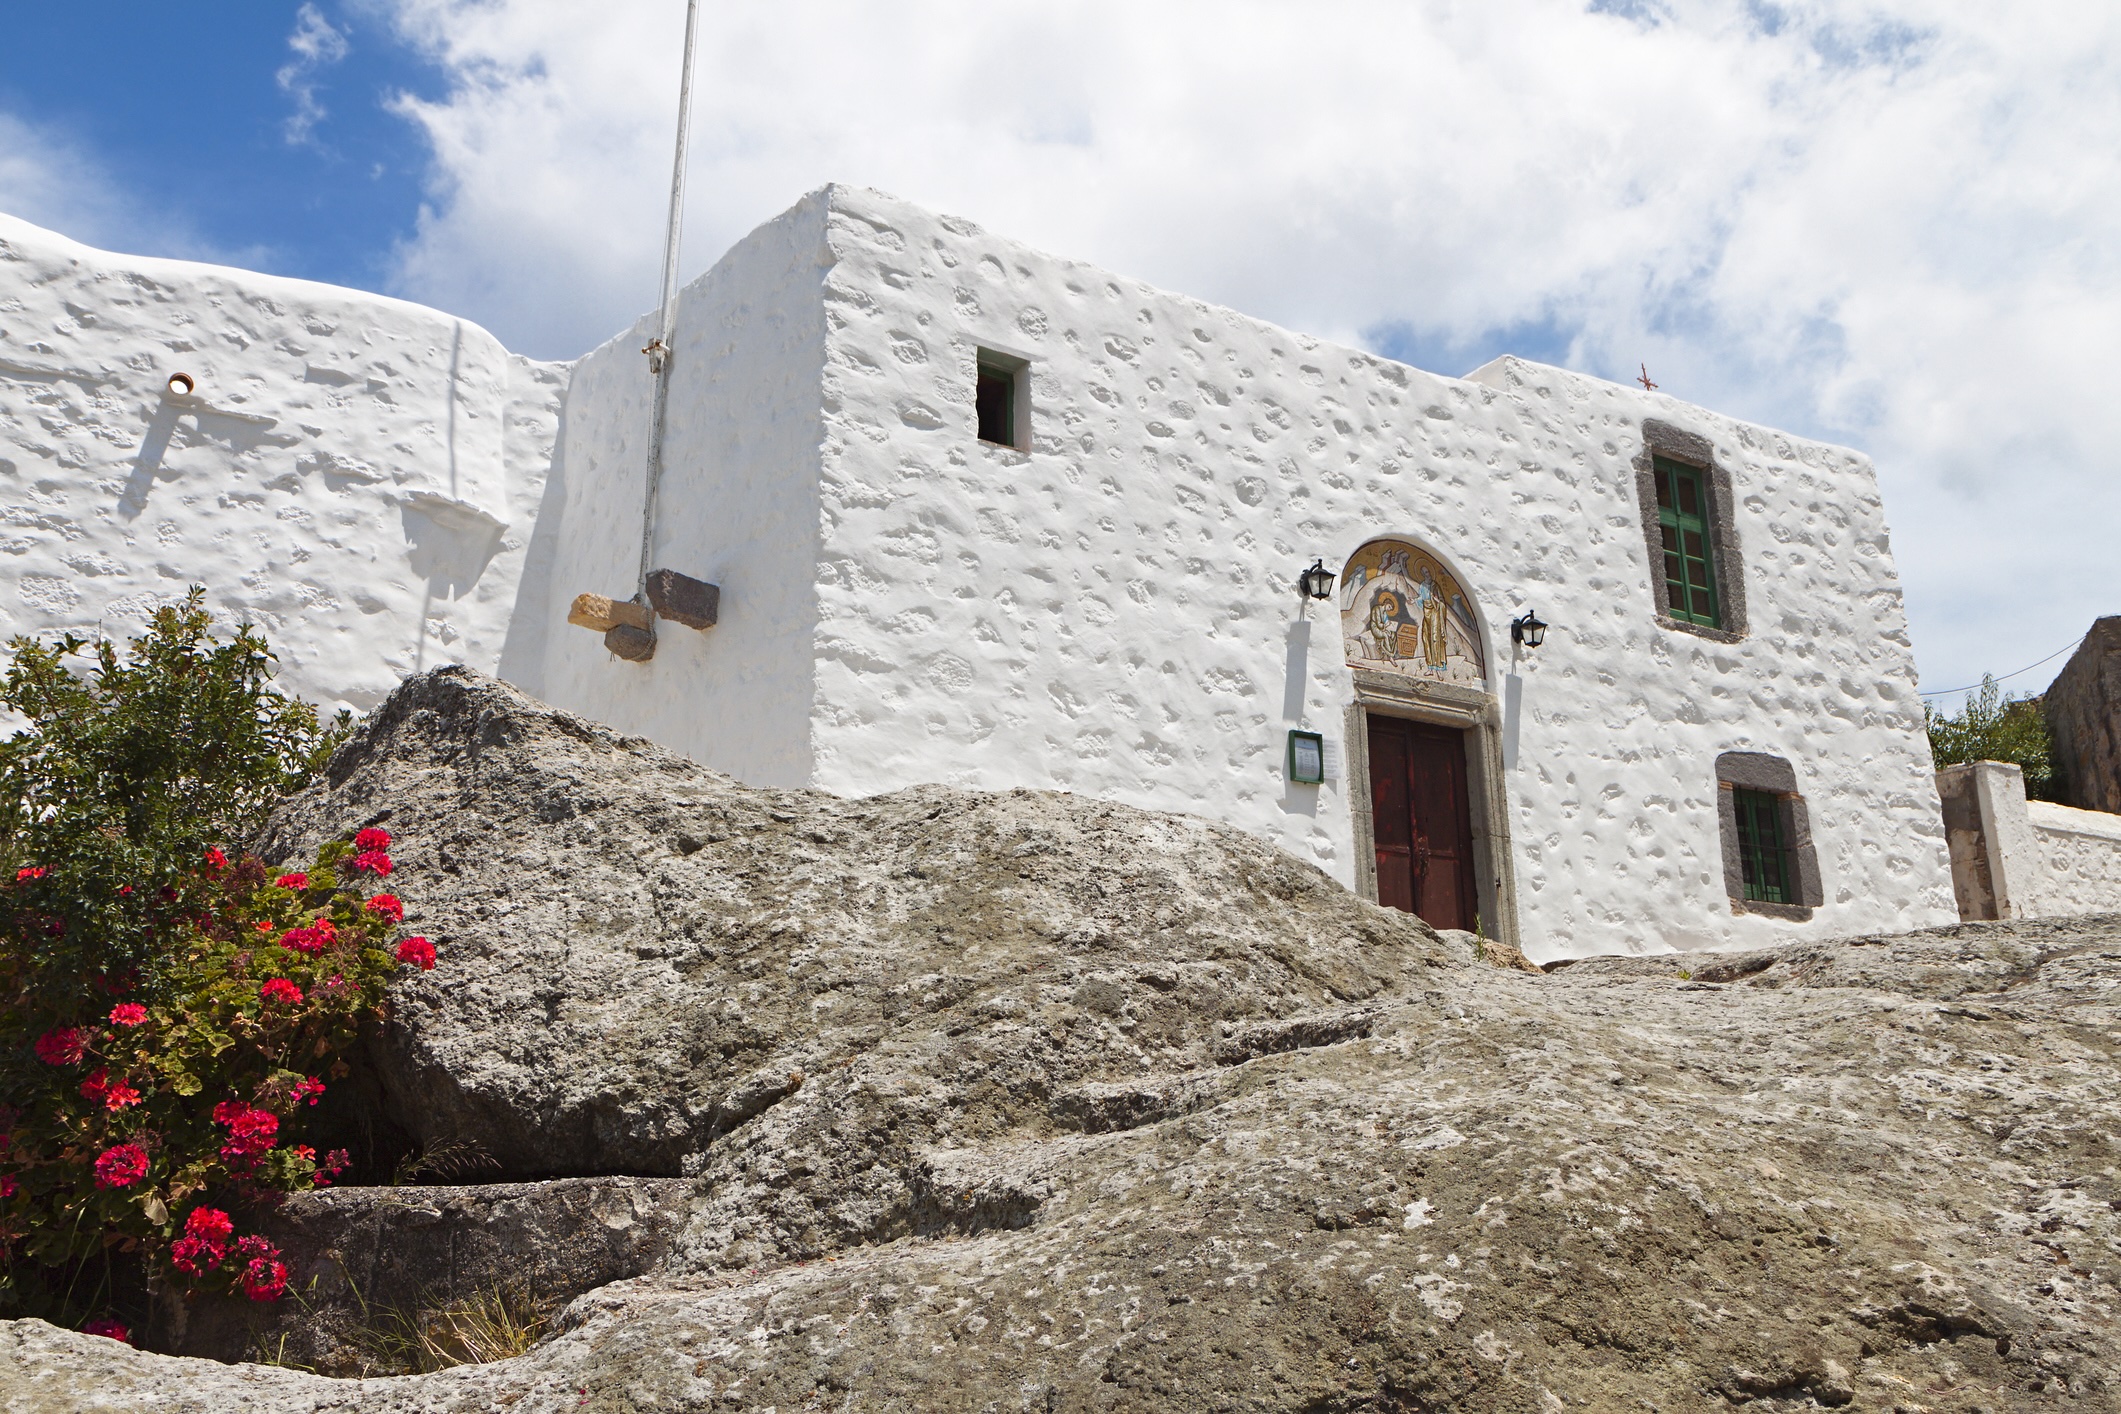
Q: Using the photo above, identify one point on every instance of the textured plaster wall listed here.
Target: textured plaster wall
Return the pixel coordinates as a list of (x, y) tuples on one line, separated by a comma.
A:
[(355, 474), (2080, 859), (1112, 612), (739, 508)]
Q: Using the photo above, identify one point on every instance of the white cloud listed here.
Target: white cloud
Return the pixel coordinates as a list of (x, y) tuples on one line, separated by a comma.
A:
[(1887, 222), (316, 45), (49, 181), (53, 181)]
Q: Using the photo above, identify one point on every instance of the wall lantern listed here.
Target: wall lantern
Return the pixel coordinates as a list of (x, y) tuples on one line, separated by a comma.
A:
[(1316, 582), (1528, 630)]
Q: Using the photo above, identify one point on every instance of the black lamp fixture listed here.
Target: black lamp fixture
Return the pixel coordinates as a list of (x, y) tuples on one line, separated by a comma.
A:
[(1529, 630), (1316, 582)]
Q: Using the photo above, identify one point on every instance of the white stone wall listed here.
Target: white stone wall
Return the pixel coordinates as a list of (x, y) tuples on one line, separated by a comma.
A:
[(2079, 859), (1112, 613), (357, 475), (738, 508)]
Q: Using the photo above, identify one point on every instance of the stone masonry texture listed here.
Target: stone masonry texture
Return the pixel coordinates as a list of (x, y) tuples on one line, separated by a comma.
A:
[(2083, 710)]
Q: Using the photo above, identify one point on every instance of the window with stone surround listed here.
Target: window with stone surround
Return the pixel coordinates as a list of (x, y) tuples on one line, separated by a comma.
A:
[(1769, 863), (1697, 584)]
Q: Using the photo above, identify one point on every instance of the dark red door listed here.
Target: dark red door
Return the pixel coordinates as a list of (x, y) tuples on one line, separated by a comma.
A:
[(1424, 821)]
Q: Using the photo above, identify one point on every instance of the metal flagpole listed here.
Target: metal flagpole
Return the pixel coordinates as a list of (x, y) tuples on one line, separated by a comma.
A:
[(659, 349)]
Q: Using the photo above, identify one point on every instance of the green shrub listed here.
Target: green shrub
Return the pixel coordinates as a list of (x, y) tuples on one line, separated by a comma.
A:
[(166, 1014), (1992, 726)]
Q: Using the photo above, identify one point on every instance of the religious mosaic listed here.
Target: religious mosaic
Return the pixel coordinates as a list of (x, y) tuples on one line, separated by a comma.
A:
[(1402, 612)]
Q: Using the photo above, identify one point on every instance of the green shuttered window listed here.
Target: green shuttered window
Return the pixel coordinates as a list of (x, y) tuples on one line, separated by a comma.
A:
[(1689, 546), (1763, 858)]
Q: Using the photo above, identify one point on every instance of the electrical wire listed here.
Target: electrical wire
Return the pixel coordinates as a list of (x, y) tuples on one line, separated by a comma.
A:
[(1947, 692)]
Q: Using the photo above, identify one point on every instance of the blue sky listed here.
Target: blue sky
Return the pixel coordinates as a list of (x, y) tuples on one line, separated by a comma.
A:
[(183, 111), (1888, 223)]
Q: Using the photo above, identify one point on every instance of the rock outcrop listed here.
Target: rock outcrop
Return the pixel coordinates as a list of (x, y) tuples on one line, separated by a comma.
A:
[(1028, 1102), (369, 1261), (2083, 711)]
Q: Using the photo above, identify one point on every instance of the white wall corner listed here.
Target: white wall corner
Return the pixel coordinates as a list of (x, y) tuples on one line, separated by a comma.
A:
[(2014, 859)]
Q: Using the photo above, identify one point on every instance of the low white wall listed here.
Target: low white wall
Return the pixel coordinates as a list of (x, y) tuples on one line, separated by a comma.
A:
[(2018, 858), (356, 474), (2080, 859)]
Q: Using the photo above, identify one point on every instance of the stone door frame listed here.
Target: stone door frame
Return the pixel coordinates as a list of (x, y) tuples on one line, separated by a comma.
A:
[(1478, 715)]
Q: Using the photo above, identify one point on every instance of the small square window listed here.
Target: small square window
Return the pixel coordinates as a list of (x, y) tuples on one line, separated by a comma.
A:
[(999, 399)]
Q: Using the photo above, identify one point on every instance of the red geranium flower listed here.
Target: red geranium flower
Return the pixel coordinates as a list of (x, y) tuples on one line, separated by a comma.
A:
[(209, 1223), (311, 1087), (35, 871), (264, 1279), (191, 1256), (419, 952), (388, 905), (250, 1133), (216, 861), (279, 989), (297, 882), (7, 1185), (63, 1045), (128, 1014), (105, 1326), (121, 1166), (372, 839), (114, 1095), (373, 861), (334, 1164), (204, 1244)]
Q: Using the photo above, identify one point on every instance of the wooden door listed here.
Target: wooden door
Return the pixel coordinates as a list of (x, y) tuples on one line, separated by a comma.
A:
[(1423, 820)]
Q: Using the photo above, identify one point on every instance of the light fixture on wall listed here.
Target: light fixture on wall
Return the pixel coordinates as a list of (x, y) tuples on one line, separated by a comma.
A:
[(1315, 582), (1529, 630)]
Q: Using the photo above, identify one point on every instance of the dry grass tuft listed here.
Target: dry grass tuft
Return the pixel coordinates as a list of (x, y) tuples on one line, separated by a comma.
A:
[(494, 1323)]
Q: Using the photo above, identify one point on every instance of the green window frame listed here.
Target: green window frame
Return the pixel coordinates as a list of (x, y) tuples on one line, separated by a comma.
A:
[(1763, 855), (1689, 542)]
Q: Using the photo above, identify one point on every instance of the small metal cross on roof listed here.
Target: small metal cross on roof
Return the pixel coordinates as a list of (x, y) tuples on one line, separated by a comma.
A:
[(1644, 380)]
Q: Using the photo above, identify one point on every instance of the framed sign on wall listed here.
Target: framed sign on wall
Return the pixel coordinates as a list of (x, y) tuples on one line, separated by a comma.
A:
[(1307, 758)]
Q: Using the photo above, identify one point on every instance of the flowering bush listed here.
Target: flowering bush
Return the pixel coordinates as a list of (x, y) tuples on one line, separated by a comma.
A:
[(150, 1124), (169, 1008)]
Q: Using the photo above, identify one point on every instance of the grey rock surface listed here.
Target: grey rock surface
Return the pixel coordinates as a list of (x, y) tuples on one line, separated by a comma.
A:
[(1108, 1110), (362, 1255), (2083, 710), (640, 956)]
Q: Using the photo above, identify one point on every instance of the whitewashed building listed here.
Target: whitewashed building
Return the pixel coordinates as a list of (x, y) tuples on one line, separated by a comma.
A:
[(984, 516)]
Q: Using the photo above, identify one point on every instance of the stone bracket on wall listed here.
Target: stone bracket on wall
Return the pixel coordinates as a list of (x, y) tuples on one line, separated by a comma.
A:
[(628, 625)]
